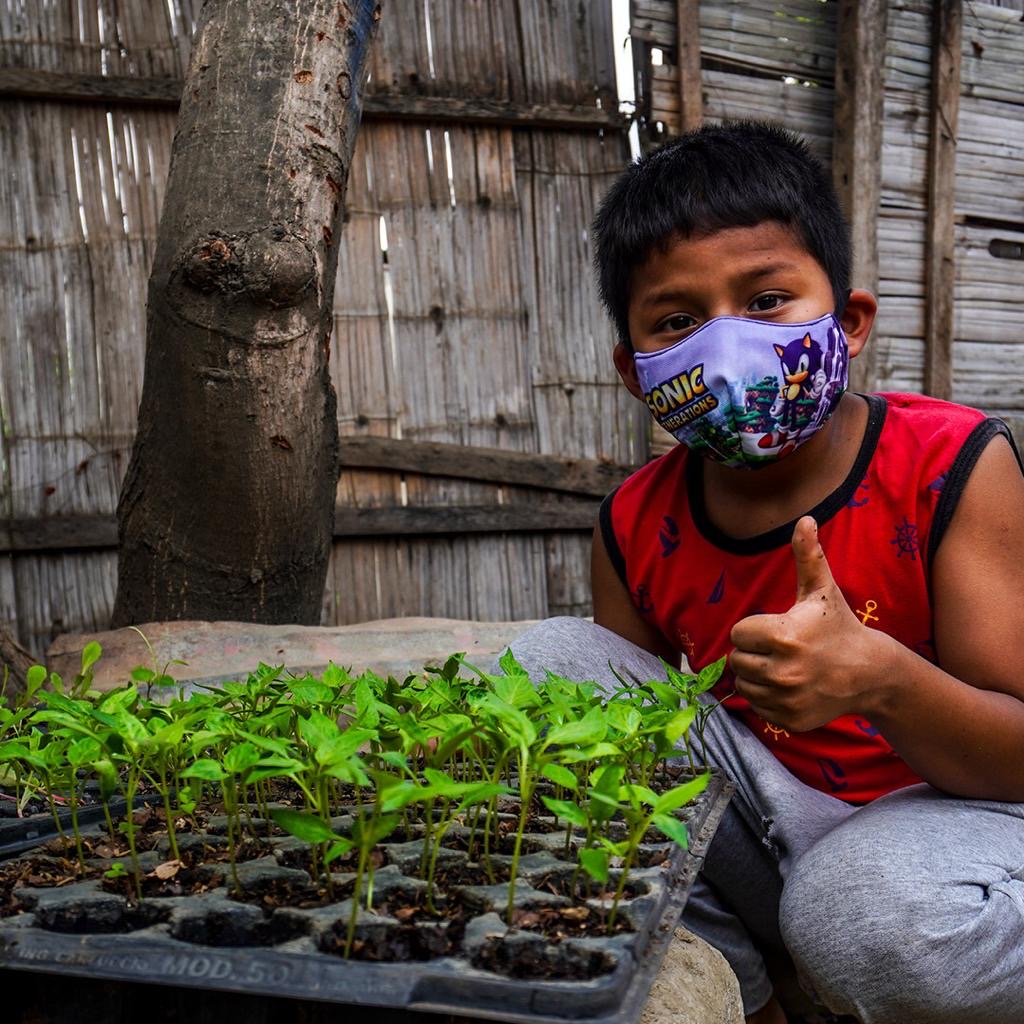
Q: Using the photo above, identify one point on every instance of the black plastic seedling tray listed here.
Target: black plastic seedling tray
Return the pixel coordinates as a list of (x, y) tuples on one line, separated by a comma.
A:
[(205, 944)]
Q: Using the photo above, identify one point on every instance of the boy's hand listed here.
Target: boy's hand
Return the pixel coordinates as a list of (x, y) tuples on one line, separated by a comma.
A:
[(802, 669)]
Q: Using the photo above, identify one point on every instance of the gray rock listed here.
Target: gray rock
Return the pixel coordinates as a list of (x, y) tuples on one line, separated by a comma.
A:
[(694, 986)]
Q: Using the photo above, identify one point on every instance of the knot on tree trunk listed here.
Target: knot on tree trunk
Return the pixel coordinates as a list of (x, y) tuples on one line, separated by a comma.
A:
[(272, 267)]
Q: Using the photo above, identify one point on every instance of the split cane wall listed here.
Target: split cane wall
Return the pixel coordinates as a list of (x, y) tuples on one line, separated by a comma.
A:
[(465, 313)]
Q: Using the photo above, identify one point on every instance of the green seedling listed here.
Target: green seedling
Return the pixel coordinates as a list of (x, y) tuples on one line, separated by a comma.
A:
[(430, 750)]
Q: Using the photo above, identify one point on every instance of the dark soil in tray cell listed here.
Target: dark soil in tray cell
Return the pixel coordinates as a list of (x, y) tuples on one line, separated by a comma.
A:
[(559, 923), (506, 844), (249, 848), (586, 888), (93, 917), (271, 891), (173, 878), (225, 927), (527, 956), (421, 934), (43, 872), (653, 856), (300, 857), (473, 873)]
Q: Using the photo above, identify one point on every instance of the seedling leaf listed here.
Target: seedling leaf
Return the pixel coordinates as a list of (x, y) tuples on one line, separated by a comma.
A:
[(595, 863), (681, 795), (560, 775), (671, 827), (307, 827), (563, 809)]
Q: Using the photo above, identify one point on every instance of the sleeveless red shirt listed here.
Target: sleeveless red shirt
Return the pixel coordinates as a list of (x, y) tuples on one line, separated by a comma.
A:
[(880, 530)]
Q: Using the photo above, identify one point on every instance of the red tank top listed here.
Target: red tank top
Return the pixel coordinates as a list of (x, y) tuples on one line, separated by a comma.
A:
[(879, 530)]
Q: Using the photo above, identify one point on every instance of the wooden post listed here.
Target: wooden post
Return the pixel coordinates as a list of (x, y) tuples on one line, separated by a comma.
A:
[(691, 100), (857, 147), (940, 240)]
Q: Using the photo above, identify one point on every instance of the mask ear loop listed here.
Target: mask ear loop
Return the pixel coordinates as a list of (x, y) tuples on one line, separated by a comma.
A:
[(840, 310)]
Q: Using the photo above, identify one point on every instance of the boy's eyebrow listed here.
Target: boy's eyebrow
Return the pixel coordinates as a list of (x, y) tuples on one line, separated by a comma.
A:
[(671, 294), (766, 270)]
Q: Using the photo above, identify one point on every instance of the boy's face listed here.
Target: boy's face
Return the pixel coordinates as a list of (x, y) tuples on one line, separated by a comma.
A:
[(760, 272)]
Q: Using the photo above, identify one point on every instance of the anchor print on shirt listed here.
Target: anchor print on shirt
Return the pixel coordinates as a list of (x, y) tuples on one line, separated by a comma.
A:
[(686, 644), (866, 614), (775, 731), (642, 599)]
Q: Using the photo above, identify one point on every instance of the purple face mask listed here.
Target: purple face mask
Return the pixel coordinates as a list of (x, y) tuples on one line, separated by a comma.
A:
[(745, 392)]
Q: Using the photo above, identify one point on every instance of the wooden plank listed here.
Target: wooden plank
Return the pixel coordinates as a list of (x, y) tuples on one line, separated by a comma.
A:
[(691, 101), (540, 516), (940, 267), (125, 90), (495, 465), (856, 143), (59, 533), (482, 111), (83, 533), (29, 83)]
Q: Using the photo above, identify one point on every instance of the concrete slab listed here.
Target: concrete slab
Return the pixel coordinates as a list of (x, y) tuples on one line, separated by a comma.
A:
[(216, 651)]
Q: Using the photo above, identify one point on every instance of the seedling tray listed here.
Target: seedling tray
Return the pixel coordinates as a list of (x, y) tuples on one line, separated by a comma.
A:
[(206, 942)]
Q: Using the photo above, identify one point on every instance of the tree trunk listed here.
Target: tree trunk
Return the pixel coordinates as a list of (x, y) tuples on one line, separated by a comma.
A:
[(15, 662), (227, 507)]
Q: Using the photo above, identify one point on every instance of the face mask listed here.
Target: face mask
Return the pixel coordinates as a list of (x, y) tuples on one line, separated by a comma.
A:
[(745, 392)]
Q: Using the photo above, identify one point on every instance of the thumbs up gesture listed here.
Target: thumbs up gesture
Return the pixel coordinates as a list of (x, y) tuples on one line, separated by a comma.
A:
[(802, 669)]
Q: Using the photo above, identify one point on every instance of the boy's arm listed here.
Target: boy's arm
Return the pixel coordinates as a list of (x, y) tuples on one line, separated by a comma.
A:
[(614, 609), (959, 726)]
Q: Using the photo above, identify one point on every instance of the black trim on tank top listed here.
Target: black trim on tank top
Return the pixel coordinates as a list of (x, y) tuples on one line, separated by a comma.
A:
[(956, 479), (782, 535), (611, 543)]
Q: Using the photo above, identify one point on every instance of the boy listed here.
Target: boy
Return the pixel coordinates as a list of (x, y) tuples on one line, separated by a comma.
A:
[(858, 558)]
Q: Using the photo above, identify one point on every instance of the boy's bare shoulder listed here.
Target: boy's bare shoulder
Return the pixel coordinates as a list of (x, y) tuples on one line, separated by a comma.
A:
[(977, 579)]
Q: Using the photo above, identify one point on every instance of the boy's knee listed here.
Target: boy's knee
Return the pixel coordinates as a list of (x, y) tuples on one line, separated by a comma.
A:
[(891, 937), (844, 931)]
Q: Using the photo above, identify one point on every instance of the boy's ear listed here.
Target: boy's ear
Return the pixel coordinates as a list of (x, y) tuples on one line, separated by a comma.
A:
[(626, 366), (858, 318)]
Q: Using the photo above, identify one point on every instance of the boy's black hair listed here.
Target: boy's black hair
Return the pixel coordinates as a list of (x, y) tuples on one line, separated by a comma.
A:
[(737, 174)]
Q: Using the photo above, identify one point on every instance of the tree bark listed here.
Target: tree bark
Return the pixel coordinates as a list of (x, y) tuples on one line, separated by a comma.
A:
[(226, 510), (15, 661)]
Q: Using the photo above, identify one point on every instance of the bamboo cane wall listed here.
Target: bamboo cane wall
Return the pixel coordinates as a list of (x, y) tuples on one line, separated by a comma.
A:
[(776, 59), (464, 309)]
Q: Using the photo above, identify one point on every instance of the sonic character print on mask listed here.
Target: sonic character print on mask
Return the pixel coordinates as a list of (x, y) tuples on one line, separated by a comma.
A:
[(744, 392)]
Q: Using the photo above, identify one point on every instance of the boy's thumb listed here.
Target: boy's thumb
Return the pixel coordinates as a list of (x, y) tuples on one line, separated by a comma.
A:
[(812, 570)]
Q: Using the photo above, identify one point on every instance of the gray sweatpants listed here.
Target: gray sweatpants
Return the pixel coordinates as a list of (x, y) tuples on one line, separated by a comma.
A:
[(909, 910)]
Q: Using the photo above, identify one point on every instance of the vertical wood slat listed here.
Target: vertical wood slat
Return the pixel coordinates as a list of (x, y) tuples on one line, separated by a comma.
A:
[(856, 145), (691, 101), (940, 241)]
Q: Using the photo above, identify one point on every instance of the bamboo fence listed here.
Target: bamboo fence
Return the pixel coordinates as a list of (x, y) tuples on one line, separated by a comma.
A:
[(480, 413)]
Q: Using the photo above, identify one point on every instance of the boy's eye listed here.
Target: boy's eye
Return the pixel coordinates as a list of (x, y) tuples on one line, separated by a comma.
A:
[(679, 322), (763, 303)]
